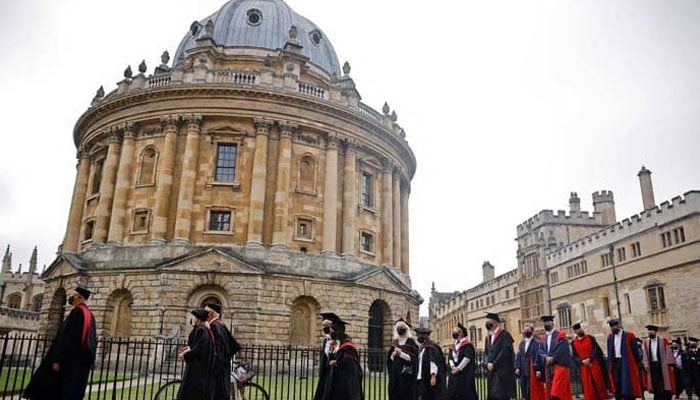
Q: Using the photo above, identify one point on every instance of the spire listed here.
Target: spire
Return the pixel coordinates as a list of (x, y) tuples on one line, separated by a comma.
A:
[(7, 261), (32, 261)]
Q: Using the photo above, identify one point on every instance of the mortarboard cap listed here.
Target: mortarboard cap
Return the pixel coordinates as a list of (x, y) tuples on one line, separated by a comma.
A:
[(404, 321), (614, 322), (421, 329), (214, 307), (677, 341), (200, 314), (493, 316), (83, 291), (577, 326), (651, 327), (547, 318), (693, 340), (463, 329), (333, 318)]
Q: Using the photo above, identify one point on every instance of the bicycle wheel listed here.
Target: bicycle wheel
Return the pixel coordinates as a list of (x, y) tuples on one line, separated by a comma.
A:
[(252, 391), (168, 391)]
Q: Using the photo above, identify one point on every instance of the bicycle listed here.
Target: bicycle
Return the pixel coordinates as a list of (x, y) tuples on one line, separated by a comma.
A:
[(242, 387)]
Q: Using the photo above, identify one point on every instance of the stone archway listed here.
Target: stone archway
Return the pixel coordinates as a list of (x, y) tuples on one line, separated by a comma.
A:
[(379, 337), (203, 294), (303, 328)]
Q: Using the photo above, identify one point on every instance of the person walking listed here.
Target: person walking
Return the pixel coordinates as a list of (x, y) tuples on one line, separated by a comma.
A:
[(589, 357), (225, 347), (557, 361), (499, 357), (198, 378), (323, 365), (345, 378), (528, 365), (624, 355), (658, 361), (431, 367), (402, 363), (63, 373), (462, 372)]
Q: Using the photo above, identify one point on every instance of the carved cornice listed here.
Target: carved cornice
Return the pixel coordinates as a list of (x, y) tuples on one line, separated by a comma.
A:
[(129, 128), (350, 145), (170, 122), (194, 122), (262, 126), (287, 129)]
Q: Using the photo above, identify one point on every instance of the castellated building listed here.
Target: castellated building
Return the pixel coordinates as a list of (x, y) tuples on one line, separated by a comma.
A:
[(250, 174), (21, 296), (589, 268)]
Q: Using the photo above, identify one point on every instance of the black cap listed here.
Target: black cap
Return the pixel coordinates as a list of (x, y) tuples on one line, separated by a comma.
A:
[(421, 330), (638, 340), (547, 318), (577, 326), (200, 313), (677, 341), (214, 307), (693, 340), (333, 318), (462, 328), (614, 322), (494, 316), (404, 321), (651, 327), (83, 291)]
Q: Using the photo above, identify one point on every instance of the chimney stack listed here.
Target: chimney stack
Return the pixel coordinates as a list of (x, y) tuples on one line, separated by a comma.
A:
[(604, 203), (647, 189), (488, 271), (574, 203)]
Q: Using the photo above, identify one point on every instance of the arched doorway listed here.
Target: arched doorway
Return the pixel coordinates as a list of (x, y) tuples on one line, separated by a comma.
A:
[(378, 334), (119, 313), (304, 328)]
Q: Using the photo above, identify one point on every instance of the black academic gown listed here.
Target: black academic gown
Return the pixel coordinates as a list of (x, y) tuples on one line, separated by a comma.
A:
[(225, 347), (74, 350), (461, 386), (401, 372), (346, 376), (432, 353), (501, 381), (197, 379), (323, 371)]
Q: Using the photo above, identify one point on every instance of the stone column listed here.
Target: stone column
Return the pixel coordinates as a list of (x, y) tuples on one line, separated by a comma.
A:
[(396, 217), (330, 196), (118, 220), (404, 229), (387, 216), (350, 201), (109, 175), (164, 180), (256, 209), (185, 199), (280, 234), (71, 241)]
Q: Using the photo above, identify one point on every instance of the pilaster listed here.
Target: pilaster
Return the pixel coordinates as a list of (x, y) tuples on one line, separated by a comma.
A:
[(256, 209), (387, 215), (71, 239), (396, 217), (165, 179), (280, 235), (107, 187), (350, 200), (405, 193), (118, 219), (183, 223), (330, 196)]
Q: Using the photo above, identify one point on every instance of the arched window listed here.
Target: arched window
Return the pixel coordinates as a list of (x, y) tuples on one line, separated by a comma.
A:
[(307, 174), (304, 324), (147, 166), (37, 302), (119, 306), (14, 300), (379, 336)]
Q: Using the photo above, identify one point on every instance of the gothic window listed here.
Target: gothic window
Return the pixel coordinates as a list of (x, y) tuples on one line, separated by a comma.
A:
[(366, 185), (564, 312), (226, 162), (97, 176), (656, 298), (14, 300), (147, 166), (37, 302), (366, 242), (219, 221), (89, 230)]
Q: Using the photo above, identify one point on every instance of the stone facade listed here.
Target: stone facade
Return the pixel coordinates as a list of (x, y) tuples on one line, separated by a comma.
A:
[(584, 268), (252, 177), (21, 296)]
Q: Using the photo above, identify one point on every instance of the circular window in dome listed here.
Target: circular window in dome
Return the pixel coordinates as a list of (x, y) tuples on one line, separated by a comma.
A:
[(316, 37), (254, 17)]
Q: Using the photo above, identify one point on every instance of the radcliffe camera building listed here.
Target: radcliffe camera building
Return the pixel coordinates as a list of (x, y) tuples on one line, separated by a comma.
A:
[(250, 174), (578, 266)]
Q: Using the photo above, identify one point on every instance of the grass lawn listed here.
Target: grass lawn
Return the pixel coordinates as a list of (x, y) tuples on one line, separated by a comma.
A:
[(13, 380)]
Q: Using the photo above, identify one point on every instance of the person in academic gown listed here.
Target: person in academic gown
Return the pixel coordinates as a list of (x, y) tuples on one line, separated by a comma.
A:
[(198, 377), (402, 363), (528, 365), (225, 346), (658, 361), (555, 351), (462, 370), (691, 365), (431, 367), (499, 357), (589, 357), (624, 355), (323, 365), (345, 378), (63, 373)]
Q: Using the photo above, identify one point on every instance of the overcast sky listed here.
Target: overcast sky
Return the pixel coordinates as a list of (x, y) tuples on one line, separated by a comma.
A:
[(508, 105)]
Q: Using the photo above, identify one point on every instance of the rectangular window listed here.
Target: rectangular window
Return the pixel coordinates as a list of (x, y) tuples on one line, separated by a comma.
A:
[(89, 229), (507, 294), (304, 228), (366, 242), (657, 300), (97, 176), (565, 317), (220, 221), (606, 306), (663, 240), (569, 272), (679, 235), (628, 303), (515, 292), (636, 249), (621, 254), (480, 336), (682, 231), (605, 260), (140, 220), (493, 299), (226, 162), (584, 266), (582, 309), (366, 190), (554, 277)]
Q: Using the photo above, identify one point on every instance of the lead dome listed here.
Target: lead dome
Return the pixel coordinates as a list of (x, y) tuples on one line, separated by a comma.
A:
[(263, 24)]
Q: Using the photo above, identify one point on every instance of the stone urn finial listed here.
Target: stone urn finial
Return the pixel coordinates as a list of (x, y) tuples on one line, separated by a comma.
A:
[(99, 95), (165, 57), (394, 117), (209, 29), (293, 33), (142, 67), (346, 68), (128, 74), (385, 108)]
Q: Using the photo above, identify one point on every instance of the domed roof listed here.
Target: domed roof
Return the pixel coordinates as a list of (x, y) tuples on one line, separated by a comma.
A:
[(264, 24)]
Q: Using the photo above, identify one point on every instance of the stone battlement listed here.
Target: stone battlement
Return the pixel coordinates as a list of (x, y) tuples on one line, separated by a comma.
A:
[(668, 211), (459, 299), (602, 196), (545, 217)]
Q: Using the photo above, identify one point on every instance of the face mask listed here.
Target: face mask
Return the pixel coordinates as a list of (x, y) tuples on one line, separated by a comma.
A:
[(652, 336), (326, 330), (615, 331), (421, 339), (455, 335), (527, 334), (489, 325), (401, 331), (334, 335), (580, 334), (548, 328), (71, 300), (674, 347)]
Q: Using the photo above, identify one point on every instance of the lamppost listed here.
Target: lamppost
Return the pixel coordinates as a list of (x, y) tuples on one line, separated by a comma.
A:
[(617, 292), (162, 313)]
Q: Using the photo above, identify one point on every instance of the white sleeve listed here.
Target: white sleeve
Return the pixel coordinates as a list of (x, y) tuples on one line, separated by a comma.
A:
[(433, 368), (405, 356), (452, 364), (464, 363)]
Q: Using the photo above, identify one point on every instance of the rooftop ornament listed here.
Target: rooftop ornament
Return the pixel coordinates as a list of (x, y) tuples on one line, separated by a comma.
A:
[(385, 108), (142, 67), (346, 68), (128, 74), (98, 96)]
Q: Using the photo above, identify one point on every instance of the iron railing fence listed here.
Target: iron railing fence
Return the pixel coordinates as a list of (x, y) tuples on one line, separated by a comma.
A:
[(134, 369)]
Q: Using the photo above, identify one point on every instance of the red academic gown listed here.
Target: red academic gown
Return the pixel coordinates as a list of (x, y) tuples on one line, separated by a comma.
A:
[(592, 378), (631, 355), (558, 374)]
